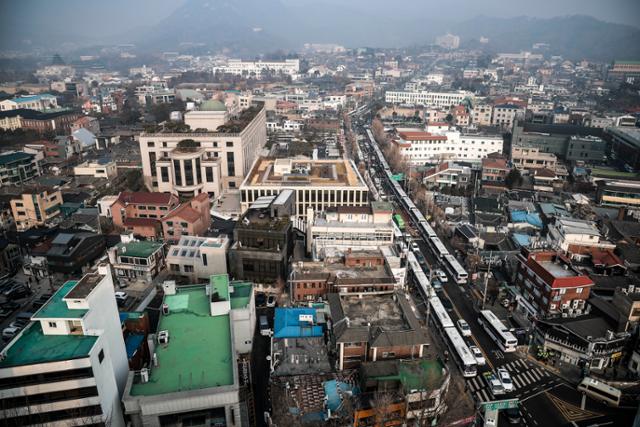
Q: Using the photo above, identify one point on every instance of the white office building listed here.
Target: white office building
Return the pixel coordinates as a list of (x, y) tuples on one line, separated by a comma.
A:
[(428, 98), (437, 144), (256, 69), (69, 365)]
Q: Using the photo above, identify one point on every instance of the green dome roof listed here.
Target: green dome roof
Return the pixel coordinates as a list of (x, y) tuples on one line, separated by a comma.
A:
[(212, 105)]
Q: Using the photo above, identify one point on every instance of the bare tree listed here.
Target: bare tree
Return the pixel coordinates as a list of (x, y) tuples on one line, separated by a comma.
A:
[(383, 401)]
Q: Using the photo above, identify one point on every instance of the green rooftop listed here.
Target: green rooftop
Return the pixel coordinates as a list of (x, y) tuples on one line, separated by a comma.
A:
[(241, 295), (57, 308), (199, 352), (220, 283), (417, 374), (34, 347), (142, 249)]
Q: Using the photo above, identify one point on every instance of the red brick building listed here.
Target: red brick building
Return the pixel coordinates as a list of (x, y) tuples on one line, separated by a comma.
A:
[(551, 284), (141, 212), (191, 218)]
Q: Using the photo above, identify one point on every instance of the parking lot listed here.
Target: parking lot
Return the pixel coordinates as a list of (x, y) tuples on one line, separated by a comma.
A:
[(15, 303)]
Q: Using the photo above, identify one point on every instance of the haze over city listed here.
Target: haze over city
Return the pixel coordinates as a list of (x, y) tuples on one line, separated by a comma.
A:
[(319, 212)]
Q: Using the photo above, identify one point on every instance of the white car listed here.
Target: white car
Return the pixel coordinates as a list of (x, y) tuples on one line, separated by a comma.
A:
[(441, 275), (494, 384), (414, 246), (121, 297), (480, 360), (505, 379), (464, 328)]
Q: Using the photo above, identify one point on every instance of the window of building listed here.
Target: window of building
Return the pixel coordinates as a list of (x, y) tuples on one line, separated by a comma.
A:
[(53, 325), (188, 268), (204, 259), (229, 143), (151, 144), (101, 356), (231, 166), (232, 184), (578, 290), (174, 267), (209, 174), (164, 174)]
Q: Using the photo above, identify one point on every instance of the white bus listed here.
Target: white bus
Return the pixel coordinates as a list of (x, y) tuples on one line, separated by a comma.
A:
[(600, 391), (496, 330), (457, 271), (439, 314), (465, 360), (420, 277), (438, 247)]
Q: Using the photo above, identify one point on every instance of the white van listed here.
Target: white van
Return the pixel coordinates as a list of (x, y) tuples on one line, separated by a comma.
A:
[(600, 391)]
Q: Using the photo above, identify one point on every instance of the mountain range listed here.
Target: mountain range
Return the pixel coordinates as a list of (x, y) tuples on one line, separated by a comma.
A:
[(250, 27)]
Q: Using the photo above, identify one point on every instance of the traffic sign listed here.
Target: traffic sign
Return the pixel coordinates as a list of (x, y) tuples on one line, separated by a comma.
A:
[(496, 405)]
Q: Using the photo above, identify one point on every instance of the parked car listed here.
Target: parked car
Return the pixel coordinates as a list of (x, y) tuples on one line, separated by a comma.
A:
[(261, 299), (17, 292), (414, 246), (436, 285), (10, 332), (480, 360), (505, 379), (420, 258), (446, 304), (271, 301), (10, 305), (121, 297), (265, 330), (441, 275), (18, 323), (464, 328)]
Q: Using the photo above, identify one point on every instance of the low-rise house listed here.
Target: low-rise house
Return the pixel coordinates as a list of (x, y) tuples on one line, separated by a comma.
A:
[(369, 328), (36, 207), (571, 235), (137, 260), (70, 251), (587, 340), (191, 218), (448, 174), (494, 173), (102, 168), (524, 157), (197, 258), (18, 167), (142, 211)]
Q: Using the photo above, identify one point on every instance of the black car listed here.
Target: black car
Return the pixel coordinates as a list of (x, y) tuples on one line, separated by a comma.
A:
[(17, 292), (10, 305), (261, 300), (446, 304)]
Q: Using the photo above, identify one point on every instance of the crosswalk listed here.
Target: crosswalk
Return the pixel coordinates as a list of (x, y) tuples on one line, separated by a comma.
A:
[(524, 376)]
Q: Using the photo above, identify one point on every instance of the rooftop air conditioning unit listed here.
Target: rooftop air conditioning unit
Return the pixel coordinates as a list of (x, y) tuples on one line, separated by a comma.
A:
[(144, 375), (165, 309), (163, 337)]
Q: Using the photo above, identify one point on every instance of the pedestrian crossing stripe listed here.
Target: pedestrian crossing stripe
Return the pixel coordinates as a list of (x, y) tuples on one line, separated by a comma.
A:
[(571, 413)]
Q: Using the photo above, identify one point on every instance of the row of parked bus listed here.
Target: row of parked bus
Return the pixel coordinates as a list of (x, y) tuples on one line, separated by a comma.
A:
[(429, 235)]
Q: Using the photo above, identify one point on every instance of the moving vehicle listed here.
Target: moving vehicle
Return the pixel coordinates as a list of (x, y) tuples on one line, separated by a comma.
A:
[(497, 331), (414, 246), (460, 275), (463, 327), (602, 392), (495, 385), (441, 275), (505, 379), (513, 415), (478, 355), (447, 304), (399, 221), (264, 326), (261, 299), (420, 258), (436, 285)]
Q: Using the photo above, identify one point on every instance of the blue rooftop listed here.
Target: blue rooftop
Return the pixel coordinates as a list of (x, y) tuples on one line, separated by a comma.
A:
[(523, 240), (132, 343), (288, 323), (524, 216), (28, 98)]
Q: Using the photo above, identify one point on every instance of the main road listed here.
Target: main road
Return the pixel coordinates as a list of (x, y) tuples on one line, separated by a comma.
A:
[(545, 399)]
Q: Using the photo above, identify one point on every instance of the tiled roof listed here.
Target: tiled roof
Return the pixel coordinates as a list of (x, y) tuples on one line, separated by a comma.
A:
[(145, 198)]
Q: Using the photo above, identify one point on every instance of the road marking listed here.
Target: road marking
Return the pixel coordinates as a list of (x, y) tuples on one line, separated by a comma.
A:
[(485, 395), (517, 382), (524, 365), (570, 412), (540, 392)]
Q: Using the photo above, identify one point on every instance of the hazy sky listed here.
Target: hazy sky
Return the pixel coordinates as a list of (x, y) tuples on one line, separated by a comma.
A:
[(97, 18)]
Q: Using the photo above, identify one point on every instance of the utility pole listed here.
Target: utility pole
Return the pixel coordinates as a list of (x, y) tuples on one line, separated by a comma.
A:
[(486, 279)]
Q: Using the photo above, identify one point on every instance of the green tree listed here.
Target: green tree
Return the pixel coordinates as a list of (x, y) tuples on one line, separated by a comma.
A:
[(514, 178)]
